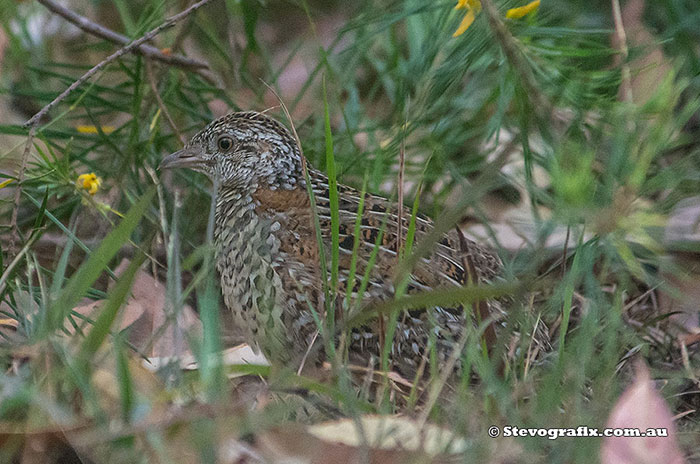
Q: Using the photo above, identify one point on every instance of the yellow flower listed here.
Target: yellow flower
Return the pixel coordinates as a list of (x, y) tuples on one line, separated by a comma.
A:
[(476, 4), (89, 182), (472, 7), (93, 129), (515, 13)]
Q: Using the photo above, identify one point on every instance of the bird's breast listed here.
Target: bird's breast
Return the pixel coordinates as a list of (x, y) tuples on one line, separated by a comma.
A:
[(245, 248)]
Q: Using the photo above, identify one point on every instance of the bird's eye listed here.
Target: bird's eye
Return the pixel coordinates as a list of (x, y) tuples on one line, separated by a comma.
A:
[(225, 143)]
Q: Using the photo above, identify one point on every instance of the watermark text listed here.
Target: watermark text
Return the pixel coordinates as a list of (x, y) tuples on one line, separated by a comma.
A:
[(581, 431)]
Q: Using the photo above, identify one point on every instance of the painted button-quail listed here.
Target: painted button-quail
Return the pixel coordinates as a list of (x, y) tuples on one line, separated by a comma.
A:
[(269, 262)]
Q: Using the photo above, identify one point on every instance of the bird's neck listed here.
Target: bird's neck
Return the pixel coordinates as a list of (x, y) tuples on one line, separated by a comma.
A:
[(237, 222), (234, 208)]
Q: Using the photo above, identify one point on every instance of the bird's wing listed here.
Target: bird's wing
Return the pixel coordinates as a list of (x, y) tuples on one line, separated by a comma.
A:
[(454, 260)]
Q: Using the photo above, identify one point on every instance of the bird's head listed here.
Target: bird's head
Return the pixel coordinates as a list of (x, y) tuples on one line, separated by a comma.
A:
[(244, 150)]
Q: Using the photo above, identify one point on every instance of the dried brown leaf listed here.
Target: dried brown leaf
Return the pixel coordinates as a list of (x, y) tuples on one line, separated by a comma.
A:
[(367, 439), (145, 317), (293, 443)]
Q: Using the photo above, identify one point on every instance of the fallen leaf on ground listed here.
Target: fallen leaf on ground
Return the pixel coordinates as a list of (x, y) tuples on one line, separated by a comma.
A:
[(238, 355), (144, 315), (641, 407), (390, 432), (371, 438)]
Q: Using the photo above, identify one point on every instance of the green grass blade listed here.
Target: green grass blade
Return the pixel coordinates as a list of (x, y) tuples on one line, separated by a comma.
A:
[(211, 369), (335, 215), (570, 286), (66, 230), (370, 263), (126, 383), (408, 244), (442, 297), (108, 313), (41, 217), (356, 244), (95, 264), (328, 338)]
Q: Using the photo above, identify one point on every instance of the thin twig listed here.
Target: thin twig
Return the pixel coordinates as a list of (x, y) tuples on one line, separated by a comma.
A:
[(308, 350), (542, 106), (98, 30), (161, 203), (15, 261), (482, 307), (18, 191), (621, 36), (399, 233), (530, 354), (402, 169), (154, 87), (114, 56)]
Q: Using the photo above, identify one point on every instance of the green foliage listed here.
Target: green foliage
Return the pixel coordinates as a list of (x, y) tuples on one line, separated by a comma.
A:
[(474, 133)]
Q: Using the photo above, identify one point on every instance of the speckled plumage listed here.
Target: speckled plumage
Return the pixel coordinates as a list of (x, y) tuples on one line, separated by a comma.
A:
[(268, 257)]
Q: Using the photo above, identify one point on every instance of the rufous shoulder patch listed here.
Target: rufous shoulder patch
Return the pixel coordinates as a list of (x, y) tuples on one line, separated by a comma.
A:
[(281, 200)]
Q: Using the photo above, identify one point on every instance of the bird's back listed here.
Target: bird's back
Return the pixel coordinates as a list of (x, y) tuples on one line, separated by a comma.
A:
[(454, 261)]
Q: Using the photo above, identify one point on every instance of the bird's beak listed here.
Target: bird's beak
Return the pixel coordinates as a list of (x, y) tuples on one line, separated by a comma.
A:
[(185, 158)]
